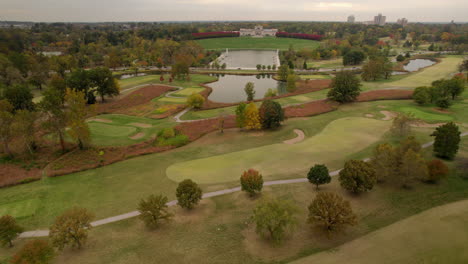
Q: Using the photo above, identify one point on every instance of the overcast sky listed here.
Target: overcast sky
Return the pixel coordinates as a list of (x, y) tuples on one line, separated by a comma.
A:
[(194, 10)]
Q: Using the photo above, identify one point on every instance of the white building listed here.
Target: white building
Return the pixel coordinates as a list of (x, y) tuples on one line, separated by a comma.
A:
[(380, 20), (258, 31), (351, 19), (402, 21)]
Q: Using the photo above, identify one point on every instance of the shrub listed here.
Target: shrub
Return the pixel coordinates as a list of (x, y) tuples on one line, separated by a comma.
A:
[(9, 230), (437, 171), (34, 252), (271, 114), (251, 182), (319, 175), (177, 141), (331, 211), (195, 100), (71, 228), (153, 210), (167, 133), (357, 176), (188, 194)]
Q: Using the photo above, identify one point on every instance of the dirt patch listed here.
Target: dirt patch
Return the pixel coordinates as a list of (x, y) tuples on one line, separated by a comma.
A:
[(137, 136), (388, 115), (142, 125), (369, 115), (390, 94), (102, 120), (300, 137), (311, 108)]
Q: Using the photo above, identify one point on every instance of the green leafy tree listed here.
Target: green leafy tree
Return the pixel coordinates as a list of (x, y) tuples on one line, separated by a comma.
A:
[(80, 80), (251, 182), (35, 251), (259, 67), (283, 72), (400, 58), (331, 211), (188, 194), (447, 140), (195, 100), (345, 87), (9, 230), (353, 57), (274, 218), (422, 95), (436, 171), (55, 118), (250, 91), (153, 210), (105, 83), (291, 83), (319, 175), (412, 167), (76, 118), (357, 176), (271, 114), (240, 115), (6, 125), (20, 97), (456, 86), (71, 228)]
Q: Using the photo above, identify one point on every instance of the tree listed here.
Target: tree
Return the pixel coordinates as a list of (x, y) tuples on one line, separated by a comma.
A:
[(6, 125), (274, 218), (181, 70), (283, 72), (80, 81), (153, 210), (195, 100), (24, 128), (259, 67), (59, 84), (401, 125), (9, 230), (271, 114), (252, 117), (304, 65), (76, 118), (319, 175), (456, 86), (240, 114), (436, 171), (20, 97), (250, 91), (357, 176), (447, 140), (71, 228), (400, 58), (345, 87), (353, 57), (422, 95), (270, 93), (188, 194), (291, 83), (105, 83), (407, 144), (331, 211), (412, 167), (251, 182), (55, 120), (35, 251), (372, 70), (385, 162)]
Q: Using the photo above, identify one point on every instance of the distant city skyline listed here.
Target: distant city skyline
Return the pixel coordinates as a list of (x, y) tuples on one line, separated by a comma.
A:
[(222, 10)]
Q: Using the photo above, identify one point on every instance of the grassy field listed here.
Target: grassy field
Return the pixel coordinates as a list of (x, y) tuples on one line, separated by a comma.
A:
[(347, 135), (438, 235), (257, 43), (333, 63)]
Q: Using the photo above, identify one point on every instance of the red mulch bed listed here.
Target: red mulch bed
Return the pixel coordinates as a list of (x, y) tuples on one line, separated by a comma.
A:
[(385, 95), (12, 174), (137, 98), (196, 129), (311, 108)]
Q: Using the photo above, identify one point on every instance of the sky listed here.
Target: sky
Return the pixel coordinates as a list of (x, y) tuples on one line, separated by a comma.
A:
[(224, 10)]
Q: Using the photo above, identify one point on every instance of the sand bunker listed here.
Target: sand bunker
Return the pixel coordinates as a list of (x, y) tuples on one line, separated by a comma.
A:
[(388, 115)]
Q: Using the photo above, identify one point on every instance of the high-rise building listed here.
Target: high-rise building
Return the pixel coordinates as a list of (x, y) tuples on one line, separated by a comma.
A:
[(402, 21), (351, 19), (380, 20)]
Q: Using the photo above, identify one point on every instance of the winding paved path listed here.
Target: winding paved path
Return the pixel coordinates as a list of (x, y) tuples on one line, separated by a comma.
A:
[(44, 233)]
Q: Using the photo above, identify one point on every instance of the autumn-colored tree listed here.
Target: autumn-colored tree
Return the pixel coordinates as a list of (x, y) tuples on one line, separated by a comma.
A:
[(331, 211), (153, 210), (357, 176), (24, 128), (250, 91), (447, 140), (407, 144), (251, 182), (271, 114), (9, 230), (385, 162), (35, 251), (401, 125), (412, 167), (437, 170), (240, 115), (195, 100), (55, 120), (188, 194), (319, 175), (6, 125), (77, 112), (252, 117), (273, 218), (71, 228)]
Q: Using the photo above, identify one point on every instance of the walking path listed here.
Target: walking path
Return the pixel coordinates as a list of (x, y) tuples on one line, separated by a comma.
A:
[(299, 138), (44, 233)]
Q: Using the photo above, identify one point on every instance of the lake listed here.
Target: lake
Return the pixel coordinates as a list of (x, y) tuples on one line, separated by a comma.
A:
[(417, 64), (248, 59), (230, 88)]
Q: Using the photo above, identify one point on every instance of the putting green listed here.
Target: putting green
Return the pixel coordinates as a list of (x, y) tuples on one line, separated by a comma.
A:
[(339, 138), (438, 235), (425, 115)]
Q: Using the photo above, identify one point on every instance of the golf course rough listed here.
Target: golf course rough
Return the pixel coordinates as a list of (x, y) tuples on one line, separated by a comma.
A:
[(345, 135)]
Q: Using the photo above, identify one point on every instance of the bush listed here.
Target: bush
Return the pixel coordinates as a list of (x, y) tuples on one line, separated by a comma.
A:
[(167, 133), (357, 176), (34, 252), (437, 171), (154, 210), (319, 175), (177, 141), (251, 182), (188, 194)]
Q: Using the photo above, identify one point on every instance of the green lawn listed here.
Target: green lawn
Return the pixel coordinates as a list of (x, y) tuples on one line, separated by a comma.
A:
[(425, 115), (333, 63), (188, 91), (257, 43)]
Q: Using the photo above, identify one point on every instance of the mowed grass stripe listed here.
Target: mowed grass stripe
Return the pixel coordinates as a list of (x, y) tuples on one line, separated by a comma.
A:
[(345, 135)]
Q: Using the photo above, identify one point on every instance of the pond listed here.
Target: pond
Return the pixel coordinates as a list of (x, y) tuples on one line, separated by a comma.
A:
[(248, 59), (126, 76), (230, 88), (417, 64)]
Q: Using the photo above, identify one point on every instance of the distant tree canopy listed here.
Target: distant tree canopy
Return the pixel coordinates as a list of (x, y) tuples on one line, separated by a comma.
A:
[(354, 57)]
